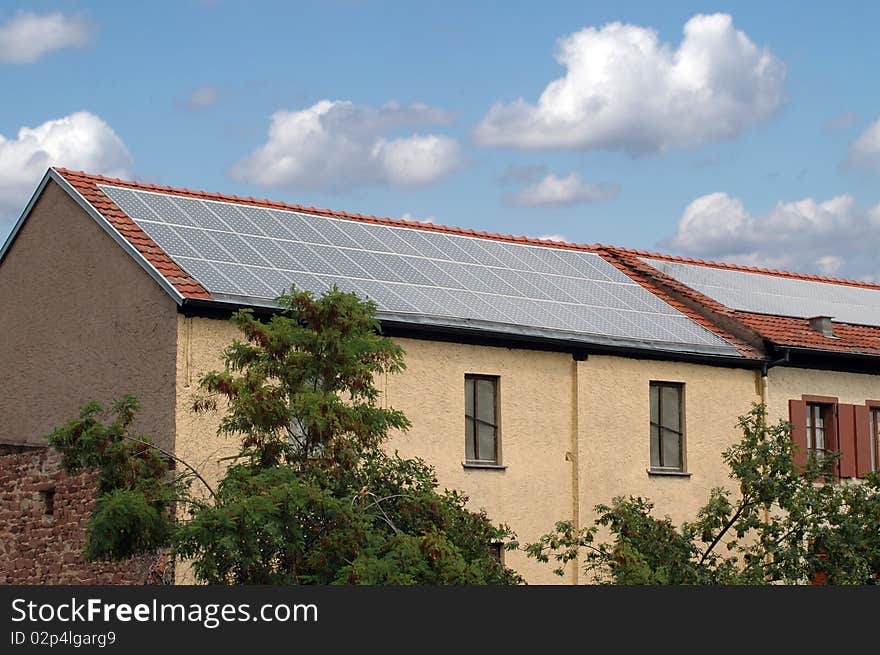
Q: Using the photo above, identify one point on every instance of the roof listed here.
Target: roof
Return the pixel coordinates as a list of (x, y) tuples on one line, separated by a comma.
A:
[(738, 267), (797, 333), (769, 305), (615, 296), (578, 295)]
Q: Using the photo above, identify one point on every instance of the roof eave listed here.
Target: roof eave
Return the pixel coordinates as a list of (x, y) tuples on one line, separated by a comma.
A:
[(499, 334)]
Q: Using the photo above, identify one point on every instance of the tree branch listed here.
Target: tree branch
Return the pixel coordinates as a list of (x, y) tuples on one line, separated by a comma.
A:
[(176, 459), (739, 510)]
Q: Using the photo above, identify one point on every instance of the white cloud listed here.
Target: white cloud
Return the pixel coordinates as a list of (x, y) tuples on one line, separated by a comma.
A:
[(864, 152), (78, 141), (554, 237), (416, 160), (336, 145), (201, 98), (834, 237), (624, 89), (26, 37), (412, 218), (559, 191)]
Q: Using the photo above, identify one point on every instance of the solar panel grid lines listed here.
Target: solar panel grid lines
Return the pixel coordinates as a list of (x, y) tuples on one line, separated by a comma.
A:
[(765, 293), (245, 252)]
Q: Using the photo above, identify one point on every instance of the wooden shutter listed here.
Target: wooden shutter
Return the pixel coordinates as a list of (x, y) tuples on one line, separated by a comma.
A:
[(846, 440), (797, 414), (863, 438)]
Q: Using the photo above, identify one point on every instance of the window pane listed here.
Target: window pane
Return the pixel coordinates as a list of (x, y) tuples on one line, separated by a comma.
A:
[(670, 406), (468, 397), (671, 450), (486, 436), (820, 438), (820, 419), (655, 446), (486, 401), (655, 404), (469, 439)]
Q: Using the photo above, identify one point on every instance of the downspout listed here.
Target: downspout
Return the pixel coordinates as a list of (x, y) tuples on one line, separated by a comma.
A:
[(573, 456), (765, 380), (765, 393)]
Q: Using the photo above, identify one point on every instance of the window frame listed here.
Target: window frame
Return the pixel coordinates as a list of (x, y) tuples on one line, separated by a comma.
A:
[(477, 461), (681, 467), (831, 429), (814, 412)]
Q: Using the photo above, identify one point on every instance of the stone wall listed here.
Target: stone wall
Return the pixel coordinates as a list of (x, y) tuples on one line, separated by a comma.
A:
[(43, 514)]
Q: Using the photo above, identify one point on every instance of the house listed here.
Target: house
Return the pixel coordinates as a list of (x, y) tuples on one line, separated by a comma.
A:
[(542, 377)]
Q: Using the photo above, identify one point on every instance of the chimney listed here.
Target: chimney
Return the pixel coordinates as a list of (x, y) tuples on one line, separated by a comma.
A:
[(822, 325)]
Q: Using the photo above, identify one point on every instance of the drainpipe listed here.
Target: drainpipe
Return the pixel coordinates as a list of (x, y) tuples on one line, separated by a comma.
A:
[(765, 392), (573, 457), (765, 368)]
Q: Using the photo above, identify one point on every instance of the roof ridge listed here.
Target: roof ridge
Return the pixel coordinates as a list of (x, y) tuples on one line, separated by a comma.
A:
[(738, 267), (329, 213)]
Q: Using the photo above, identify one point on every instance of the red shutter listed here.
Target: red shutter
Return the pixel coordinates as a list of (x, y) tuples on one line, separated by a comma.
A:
[(846, 440), (863, 439), (797, 414)]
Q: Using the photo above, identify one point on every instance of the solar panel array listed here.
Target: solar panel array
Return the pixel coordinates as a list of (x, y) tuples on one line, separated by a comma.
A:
[(253, 253), (772, 294)]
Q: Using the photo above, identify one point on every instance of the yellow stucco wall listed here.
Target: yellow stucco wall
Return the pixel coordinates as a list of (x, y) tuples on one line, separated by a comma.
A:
[(536, 422), (785, 383), (614, 428), (80, 321), (199, 350), (538, 417)]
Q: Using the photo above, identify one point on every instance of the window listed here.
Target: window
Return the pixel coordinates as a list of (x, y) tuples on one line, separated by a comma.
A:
[(821, 425), (48, 498), (496, 550), (481, 419), (820, 432), (667, 430), (875, 439)]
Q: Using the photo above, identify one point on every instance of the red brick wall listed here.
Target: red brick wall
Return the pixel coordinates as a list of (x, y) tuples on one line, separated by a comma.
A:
[(41, 548)]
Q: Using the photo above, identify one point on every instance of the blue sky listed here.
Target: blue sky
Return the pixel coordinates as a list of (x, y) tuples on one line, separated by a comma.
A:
[(751, 138)]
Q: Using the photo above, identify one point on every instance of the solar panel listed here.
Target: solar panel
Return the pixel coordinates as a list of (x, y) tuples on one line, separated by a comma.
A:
[(763, 293), (250, 254)]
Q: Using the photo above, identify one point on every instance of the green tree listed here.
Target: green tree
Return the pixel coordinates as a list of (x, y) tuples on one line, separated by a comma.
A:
[(787, 524), (312, 497)]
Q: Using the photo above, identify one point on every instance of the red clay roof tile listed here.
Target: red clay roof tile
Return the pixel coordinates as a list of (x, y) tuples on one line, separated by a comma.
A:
[(797, 333), (86, 185)]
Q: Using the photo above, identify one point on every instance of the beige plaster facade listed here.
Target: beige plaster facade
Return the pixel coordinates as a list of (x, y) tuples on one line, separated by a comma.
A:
[(537, 423), (200, 345), (573, 434), (784, 384), (80, 321)]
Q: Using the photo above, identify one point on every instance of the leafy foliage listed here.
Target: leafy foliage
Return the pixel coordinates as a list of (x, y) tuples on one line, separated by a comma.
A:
[(135, 489), (786, 524), (312, 497)]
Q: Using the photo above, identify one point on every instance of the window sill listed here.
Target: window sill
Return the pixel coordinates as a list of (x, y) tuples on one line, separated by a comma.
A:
[(673, 474), (483, 465)]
